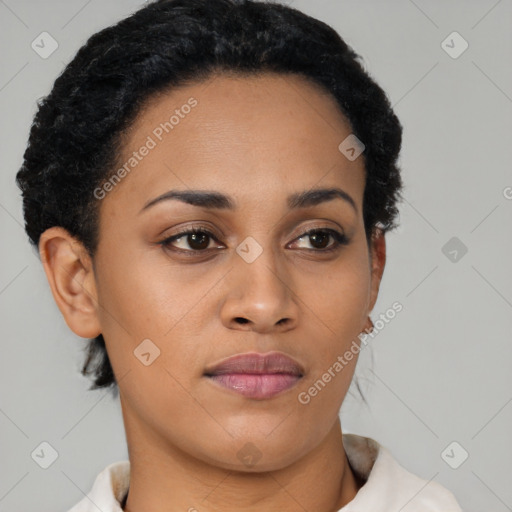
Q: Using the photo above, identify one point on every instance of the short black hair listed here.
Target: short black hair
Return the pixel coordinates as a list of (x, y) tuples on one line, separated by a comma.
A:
[(76, 136)]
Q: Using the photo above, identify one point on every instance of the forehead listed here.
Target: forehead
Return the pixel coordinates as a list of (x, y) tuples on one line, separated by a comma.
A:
[(270, 134)]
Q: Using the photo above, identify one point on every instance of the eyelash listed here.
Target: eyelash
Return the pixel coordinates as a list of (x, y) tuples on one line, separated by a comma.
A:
[(340, 240)]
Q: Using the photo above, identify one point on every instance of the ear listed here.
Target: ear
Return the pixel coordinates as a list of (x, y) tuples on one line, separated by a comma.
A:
[(70, 273), (377, 263)]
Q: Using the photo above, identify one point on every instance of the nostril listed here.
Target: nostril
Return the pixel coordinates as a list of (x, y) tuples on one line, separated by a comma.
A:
[(241, 320)]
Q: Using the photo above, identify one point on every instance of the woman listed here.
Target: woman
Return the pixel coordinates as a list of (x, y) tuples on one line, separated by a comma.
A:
[(209, 185)]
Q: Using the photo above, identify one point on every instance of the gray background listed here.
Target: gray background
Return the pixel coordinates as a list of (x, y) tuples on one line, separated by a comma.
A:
[(439, 372)]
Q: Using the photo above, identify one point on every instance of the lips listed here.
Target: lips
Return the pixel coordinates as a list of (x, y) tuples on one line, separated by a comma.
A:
[(257, 376), (257, 364)]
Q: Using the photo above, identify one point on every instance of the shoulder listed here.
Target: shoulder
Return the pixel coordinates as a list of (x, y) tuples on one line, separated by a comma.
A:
[(108, 489), (389, 485)]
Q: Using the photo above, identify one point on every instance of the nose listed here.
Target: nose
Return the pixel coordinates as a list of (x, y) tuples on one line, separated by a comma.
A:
[(260, 297)]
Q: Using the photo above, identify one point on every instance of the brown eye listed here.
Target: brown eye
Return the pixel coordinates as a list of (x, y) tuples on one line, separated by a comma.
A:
[(319, 239), (192, 240), (198, 241)]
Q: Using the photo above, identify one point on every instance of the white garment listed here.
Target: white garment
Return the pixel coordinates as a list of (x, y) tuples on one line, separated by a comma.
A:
[(388, 488)]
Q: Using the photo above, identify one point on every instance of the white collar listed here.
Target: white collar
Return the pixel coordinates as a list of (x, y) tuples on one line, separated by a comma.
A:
[(388, 485)]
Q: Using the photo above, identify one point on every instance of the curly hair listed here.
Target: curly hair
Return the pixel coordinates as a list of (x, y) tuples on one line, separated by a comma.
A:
[(76, 135)]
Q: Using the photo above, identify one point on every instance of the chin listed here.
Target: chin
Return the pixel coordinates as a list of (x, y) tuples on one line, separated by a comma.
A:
[(255, 453)]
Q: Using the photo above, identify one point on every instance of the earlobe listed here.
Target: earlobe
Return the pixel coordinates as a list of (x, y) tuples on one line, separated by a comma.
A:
[(70, 274)]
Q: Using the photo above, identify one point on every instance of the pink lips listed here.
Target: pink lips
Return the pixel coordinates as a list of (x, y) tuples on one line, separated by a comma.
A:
[(257, 376)]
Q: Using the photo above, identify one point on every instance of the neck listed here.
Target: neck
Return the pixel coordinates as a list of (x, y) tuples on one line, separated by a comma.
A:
[(165, 479)]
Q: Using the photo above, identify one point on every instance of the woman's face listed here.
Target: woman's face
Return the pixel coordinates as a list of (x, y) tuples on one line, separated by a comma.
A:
[(253, 283)]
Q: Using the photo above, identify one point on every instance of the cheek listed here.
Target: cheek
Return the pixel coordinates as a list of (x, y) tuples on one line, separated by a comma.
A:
[(337, 310), (151, 306), (338, 301), (144, 297)]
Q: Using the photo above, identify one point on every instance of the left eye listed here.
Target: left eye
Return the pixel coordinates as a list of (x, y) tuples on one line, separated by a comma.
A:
[(319, 238), (198, 240)]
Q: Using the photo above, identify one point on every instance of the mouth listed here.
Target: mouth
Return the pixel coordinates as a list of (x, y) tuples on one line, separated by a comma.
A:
[(256, 376)]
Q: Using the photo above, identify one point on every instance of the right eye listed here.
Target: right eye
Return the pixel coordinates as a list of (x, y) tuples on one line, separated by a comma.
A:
[(197, 240)]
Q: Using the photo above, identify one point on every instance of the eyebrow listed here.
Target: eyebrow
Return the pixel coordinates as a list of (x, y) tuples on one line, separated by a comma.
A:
[(217, 200)]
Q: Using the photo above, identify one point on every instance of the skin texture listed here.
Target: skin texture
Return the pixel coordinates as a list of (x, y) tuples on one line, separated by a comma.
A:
[(256, 139)]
